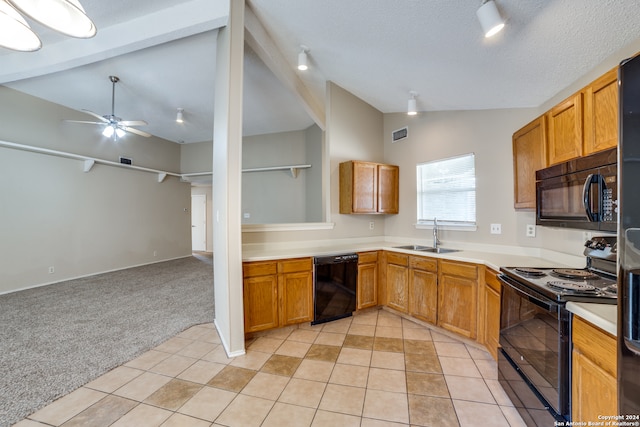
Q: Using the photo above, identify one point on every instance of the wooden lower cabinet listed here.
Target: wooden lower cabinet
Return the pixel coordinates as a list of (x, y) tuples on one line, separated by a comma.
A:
[(489, 317), (397, 281), (458, 297), (594, 386), (277, 293), (423, 288), (367, 293)]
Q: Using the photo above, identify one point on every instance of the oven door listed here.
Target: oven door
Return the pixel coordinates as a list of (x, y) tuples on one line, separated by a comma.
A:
[(534, 365)]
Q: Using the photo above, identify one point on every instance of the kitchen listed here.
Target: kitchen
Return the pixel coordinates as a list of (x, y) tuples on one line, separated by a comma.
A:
[(464, 131)]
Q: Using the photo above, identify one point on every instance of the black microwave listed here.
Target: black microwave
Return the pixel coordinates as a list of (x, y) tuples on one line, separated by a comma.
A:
[(581, 193)]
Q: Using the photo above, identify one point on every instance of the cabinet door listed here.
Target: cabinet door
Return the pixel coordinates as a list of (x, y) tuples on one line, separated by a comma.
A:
[(358, 187), (388, 186), (458, 297), (397, 287), (260, 303), (423, 295), (367, 285), (601, 113), (594, 391), (492, 320), (529, 155), (565, 130), (296, 297)]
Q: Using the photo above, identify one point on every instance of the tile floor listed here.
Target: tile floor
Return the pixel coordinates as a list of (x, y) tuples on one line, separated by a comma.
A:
[(373, 369)]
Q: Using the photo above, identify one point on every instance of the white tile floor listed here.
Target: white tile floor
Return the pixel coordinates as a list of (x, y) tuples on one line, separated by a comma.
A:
[(371, 370)]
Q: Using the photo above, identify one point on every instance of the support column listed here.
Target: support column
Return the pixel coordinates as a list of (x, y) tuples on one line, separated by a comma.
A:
[(227, 180)]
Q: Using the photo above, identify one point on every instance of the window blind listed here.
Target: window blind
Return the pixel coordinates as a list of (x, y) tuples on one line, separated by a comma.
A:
[(447, 191)]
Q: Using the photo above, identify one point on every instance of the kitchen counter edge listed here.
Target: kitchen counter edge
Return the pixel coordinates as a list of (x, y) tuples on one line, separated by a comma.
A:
[(604, 316)]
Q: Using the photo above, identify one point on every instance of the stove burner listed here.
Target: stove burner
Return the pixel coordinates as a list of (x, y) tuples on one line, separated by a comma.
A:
[(530, 271), (569, 273), (571, 286)]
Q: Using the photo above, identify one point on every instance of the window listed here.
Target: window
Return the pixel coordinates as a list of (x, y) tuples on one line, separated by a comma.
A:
[(447, 191)]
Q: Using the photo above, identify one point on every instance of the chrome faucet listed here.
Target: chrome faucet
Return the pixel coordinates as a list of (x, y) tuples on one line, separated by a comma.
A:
[(436, 241)]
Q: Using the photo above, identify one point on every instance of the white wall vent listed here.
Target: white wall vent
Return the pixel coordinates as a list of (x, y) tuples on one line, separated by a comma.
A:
[(400, 134)]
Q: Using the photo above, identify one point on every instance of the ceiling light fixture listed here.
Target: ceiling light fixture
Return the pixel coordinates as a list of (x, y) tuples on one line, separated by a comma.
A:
[(179, 116), (15, 32), (490, 19), (64, 16), (302, 58), (412, 109)]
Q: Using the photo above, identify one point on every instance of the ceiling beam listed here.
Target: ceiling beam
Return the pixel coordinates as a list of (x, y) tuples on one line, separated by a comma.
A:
[(181, 20), (259, 40)]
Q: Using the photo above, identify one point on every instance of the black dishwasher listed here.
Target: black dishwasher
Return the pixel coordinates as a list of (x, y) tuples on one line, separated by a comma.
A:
[(335, 279)]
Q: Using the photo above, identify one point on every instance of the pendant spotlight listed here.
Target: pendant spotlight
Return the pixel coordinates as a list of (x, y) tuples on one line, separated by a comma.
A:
[(302, 58), (490, 19), (412, 109), (179, 116)]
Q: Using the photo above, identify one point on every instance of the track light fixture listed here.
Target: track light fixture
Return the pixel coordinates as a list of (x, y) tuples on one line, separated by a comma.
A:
[(179, 116), (302, 58), (411, 105), (64, 16), (490, 19)]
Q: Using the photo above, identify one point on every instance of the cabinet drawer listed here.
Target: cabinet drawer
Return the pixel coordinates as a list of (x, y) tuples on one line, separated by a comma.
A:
[(259, 268), (398, 259), (293, 265), (424, 263), (595, 344), (491, 279), (452, 268), (367, 257)]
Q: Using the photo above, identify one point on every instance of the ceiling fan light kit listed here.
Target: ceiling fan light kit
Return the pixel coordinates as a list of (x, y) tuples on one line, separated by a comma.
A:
[(15, 32), (64, 16), (114, 126)]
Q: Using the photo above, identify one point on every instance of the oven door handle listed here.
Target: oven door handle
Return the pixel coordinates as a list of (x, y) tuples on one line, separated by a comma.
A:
[(529, 296), (593, 178)]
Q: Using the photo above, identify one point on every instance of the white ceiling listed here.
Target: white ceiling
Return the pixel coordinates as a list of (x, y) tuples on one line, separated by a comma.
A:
[(164, 53)]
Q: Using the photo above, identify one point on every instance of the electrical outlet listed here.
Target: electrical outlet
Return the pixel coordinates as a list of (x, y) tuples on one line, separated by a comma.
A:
[(531, 230), (155, 253), (586, 235), (246, 215), (51, 270), (496, 228), (372, 225)]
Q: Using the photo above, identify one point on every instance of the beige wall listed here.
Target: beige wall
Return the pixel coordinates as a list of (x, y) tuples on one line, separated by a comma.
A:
[(55, 215)]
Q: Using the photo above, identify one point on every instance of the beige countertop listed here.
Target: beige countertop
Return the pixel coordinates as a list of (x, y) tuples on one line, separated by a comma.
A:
[(604, 316), (489, 255)]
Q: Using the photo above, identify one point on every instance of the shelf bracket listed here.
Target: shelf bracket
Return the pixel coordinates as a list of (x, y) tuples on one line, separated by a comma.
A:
[(88, 164)]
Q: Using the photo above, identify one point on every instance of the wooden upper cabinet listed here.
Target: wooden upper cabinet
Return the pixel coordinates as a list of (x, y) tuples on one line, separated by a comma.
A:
[(565, 130), (529, 155), (601, 113), (368, 188), (388, 185)]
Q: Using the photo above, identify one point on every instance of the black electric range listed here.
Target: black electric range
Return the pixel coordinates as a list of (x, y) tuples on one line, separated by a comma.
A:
[(595, 283)]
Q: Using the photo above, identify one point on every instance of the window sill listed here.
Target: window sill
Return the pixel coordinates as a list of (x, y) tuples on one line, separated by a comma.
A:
[(301, 226), (447, 227)]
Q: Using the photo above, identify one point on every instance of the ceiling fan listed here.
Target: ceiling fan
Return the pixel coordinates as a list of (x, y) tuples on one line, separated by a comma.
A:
[(114, 126)]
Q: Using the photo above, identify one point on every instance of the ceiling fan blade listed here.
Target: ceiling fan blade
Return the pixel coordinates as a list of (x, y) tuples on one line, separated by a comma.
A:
[(85, 122), (136, 131), (133, 123), (97, 116)]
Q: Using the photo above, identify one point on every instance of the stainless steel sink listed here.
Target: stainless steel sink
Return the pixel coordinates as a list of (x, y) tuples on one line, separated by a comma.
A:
[(427, 249), (438, 250), (413, 247)]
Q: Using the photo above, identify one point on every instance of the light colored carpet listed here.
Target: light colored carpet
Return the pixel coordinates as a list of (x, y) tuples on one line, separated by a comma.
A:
[(57, 338)]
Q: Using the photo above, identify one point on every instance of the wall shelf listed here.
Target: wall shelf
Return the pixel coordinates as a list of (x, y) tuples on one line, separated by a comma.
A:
[(293, 169)]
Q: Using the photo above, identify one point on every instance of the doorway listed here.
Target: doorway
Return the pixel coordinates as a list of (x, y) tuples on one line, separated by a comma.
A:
[(198, 222)]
